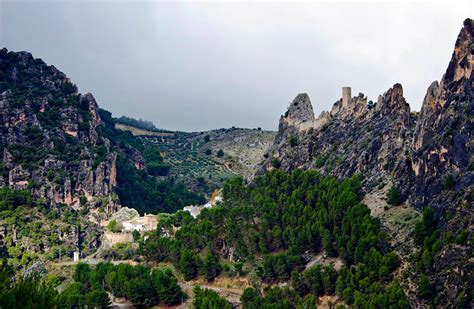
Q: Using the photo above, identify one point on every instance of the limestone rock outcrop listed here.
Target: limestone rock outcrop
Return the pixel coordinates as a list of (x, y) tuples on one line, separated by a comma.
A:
[(49, 141), (352, 138), (427, 156), (51, 146)]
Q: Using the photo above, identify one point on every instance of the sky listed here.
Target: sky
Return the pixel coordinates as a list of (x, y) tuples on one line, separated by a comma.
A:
[(204, 65)]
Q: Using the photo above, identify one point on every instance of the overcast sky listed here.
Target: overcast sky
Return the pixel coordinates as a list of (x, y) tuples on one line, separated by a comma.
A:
[(195, 66)]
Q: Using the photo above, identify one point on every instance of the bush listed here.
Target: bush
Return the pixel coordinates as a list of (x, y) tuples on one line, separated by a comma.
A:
[(220, 153), (212, 268), (424, 288), (208, 152), (188, 265), (207, 299), (293, 141), (461, 237), (449, 182), (113, 226), (136, 235), (393, 197), (276, 163)]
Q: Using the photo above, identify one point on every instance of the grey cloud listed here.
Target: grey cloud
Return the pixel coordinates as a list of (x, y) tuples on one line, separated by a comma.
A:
[(195, 66)]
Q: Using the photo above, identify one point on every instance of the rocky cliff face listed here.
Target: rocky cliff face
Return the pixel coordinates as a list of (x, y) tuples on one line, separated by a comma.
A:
[(443, 143), (59, 146), (353, 137), (51, 146), (49, 139), (428, 157), (443, 163)]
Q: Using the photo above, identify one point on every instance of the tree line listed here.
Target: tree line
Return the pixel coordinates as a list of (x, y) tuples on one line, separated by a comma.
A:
[(272, 224)]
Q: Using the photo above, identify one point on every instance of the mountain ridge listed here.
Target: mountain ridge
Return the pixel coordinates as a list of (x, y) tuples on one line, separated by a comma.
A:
[(426, 157)]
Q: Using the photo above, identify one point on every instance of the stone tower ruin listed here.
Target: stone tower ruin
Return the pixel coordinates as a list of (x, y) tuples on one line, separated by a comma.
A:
[(346, 96)]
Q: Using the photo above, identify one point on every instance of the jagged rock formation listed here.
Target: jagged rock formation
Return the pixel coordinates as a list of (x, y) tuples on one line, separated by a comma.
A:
[(51, 146), (59, 146), (443, 163), (428, 157), (49, 139), (442, 142), (352, 138)]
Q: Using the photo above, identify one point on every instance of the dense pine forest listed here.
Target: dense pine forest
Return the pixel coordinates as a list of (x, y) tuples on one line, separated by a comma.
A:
[(272, 224)]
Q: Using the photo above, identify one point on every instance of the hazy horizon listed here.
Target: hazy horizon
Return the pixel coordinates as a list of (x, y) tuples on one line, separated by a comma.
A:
[(196, 66)]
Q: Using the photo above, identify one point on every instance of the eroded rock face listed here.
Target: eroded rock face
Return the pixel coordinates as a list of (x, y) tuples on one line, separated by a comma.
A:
[(442, 150), (50, 145), (387, 143), (351, 138), (49, 137), (443, 143)]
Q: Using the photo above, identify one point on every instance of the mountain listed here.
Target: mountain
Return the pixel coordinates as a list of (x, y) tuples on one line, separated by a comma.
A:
[(63, 158), (368, 205), (424, 159), (205, 160), (49, 140), (354, 137)]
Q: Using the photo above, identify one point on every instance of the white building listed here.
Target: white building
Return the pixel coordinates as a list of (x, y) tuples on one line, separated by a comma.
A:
[(140, 224)]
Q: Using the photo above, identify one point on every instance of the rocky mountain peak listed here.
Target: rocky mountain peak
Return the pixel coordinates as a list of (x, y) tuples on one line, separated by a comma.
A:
[(393, 101), (300, 110), (462, 59), (426, 157)]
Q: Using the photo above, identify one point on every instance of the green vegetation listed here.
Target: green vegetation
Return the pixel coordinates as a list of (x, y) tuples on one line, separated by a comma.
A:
[(211, 266), (136, 235), (276, 163), (371, 104), (428, 237), (113, 226), (139, 284), (29, 292), (320, 160), (140, 123), (27, 83), (279, 218), (139, 190), (193, 158), (154, 162), (393, 197), (449, 181), (293, 141), (37, 224), (208, 299)]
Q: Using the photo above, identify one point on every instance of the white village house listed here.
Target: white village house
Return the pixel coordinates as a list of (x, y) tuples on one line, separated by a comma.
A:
[(141, 224)]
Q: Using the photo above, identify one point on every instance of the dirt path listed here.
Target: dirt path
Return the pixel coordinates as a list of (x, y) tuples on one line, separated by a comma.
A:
[(229, 288)]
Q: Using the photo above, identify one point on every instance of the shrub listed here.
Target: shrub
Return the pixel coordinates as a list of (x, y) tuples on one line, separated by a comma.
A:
[(424, 288), (220, 153), (449, 182), (293, 141), (393, 197), (113, 226), (212, 267), (136, 235), (205, 298), (276, 163), (461, 238)]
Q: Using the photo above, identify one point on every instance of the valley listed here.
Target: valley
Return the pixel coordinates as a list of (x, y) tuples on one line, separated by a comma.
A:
[(369, 205), (195, 158)]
